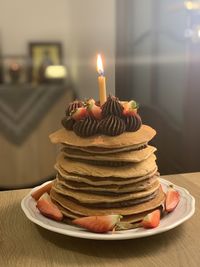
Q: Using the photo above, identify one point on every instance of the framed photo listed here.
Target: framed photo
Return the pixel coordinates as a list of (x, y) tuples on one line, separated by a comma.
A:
[(43, 54), (14, 69)]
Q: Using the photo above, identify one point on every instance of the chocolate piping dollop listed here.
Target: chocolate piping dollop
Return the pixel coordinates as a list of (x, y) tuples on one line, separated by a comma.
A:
[(68, 122), (86, 127), (112, 125), (112, 107), (133, 123), (73, 106)]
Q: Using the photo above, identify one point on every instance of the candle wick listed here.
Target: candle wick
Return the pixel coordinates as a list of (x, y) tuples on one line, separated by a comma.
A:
[(101, 72)]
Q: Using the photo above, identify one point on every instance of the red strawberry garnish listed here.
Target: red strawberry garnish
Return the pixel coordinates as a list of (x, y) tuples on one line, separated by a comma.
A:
[(79, 113), (172, 199), (151, 220), (98, 224), (94, 111), (130, 108), (38, 193), (48, 208), (90, 101)]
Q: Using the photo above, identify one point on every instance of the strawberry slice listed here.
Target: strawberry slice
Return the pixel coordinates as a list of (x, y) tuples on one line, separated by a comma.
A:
[(98, 224), (38, 193), (48, 208), (94, 110), (172, 199), (130, 108), (79, 113), (151, 220), (90, 101)]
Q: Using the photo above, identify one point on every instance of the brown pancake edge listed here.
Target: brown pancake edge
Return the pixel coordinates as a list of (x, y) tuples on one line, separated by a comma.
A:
[(112, 188), (88, 211), (92, 198), (92, 180)]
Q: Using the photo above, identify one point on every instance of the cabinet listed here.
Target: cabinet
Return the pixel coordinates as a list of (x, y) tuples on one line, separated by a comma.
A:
[(29, 159)]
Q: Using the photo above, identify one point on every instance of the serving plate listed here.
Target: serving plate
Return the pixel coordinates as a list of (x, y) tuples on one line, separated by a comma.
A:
[(183, 212)]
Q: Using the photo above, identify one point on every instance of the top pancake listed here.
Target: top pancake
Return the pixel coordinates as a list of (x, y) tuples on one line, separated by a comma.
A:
[(143, 135)]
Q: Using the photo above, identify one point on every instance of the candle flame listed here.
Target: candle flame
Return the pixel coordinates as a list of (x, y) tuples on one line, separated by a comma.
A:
[(99, 65)]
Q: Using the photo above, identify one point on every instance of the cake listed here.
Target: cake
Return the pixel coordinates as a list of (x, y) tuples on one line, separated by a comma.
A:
[(105, 164)]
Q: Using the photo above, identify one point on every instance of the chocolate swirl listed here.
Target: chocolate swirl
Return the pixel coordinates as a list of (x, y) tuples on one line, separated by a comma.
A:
[(73, 106), (86, 127), (112, 107), (68, 122), (133, 123), (112, 125)]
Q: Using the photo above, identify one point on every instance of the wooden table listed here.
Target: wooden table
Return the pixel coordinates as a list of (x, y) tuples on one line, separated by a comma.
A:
[(22, 243)]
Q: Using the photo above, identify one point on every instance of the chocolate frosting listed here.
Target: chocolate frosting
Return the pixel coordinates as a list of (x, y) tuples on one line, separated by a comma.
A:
[(73, 106), (113, 121), (112, 107), (133, 123), (68, 122), (86, 127), (112, 125)]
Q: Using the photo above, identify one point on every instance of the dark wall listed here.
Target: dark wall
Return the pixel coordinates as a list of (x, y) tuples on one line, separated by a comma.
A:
[(160, 68)]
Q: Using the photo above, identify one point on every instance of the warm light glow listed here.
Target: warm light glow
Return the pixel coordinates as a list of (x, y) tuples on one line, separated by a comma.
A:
[(55, 72), (99, 65), (192, 5), (188, 5), (198, 33)]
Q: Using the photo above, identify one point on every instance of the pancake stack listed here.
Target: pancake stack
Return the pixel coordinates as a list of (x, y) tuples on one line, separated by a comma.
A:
[(102, 174)]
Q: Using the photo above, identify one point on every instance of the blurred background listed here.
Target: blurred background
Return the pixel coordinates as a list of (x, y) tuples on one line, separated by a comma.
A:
[(48, 49)]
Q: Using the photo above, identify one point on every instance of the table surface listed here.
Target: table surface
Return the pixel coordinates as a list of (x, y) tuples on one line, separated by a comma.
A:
[(22, 243)]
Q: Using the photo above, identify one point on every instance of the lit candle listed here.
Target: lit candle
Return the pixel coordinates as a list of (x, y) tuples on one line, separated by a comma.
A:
[(101, 81)]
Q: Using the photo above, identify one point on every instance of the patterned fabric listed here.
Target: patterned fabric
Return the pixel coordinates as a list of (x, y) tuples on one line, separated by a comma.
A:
[(23, 107)]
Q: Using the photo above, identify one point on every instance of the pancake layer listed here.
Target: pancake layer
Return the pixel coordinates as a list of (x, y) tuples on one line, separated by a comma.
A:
[(102, 175)]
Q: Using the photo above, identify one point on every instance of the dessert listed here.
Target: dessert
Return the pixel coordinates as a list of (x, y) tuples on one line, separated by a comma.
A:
[(105, 165)]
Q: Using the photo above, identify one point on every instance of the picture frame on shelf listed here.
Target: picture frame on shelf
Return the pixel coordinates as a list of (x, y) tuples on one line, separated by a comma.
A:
[(43, 54)]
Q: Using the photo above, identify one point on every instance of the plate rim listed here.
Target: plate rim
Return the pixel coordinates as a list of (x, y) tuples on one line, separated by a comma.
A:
[(119, 235)]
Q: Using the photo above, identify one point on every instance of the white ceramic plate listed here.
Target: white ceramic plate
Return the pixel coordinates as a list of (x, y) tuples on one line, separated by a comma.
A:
[(183, 212)]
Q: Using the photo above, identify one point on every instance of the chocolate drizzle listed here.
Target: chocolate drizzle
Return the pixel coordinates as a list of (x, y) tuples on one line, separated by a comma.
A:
[(133, 123), (68, 122), (86, 127), (73, 106), (112, 125), (112, 107)]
